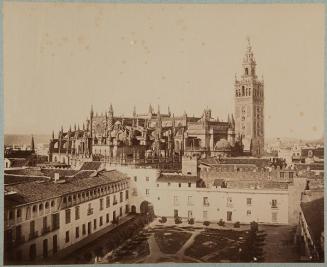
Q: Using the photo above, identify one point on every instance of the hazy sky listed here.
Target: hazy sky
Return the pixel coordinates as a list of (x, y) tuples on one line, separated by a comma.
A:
[(61, 58)]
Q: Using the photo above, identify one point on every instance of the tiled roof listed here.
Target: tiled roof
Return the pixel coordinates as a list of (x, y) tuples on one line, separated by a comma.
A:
[(19, 153), (62, 172), (18, 162), (93, 165), (311, 166), (84, 174), (36, 191), (14, 179), (257, 185), (13, 200), (215, 161), (177, 178), (313, 212), (210, 161), (25, 171)]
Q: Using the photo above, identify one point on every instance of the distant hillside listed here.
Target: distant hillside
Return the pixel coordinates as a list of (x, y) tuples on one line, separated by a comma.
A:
[(24, 139)]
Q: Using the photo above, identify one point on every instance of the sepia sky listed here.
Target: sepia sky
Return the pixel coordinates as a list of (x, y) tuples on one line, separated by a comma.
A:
[(61, 58)]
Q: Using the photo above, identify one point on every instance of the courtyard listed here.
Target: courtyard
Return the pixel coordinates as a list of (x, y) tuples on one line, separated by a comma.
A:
[(169, 242)]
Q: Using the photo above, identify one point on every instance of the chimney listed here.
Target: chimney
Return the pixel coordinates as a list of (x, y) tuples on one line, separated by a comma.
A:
[(56, 177)]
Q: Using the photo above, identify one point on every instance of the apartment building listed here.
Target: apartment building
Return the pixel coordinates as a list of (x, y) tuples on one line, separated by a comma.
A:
[(43, 218)]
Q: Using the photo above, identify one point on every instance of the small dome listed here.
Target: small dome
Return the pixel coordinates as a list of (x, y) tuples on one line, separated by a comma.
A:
[(222, 144)]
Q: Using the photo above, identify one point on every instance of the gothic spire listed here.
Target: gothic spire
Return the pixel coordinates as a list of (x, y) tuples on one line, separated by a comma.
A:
[(32, 144), (233, 121), (111, 110), (150, 109), (158, 110), (52, 134), (91, 112), (248, 60)]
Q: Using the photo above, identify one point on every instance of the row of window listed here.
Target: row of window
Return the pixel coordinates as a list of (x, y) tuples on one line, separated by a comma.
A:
[(95, 192), (283, 174), (229, 201), (229, 215), (86, 229), (90, 209), (147, 179), (35, 208), (33, 252)]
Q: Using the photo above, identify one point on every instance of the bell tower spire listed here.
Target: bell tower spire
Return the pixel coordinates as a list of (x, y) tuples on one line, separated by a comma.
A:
[(249, 106), (249, 62)]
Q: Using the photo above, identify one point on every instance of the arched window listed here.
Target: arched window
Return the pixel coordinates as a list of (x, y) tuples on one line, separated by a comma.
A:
[(246, 71), (41, 206), (249, 91), (243, 91)]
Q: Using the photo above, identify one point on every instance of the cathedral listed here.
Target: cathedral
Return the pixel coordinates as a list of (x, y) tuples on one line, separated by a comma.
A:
[(156, 136)]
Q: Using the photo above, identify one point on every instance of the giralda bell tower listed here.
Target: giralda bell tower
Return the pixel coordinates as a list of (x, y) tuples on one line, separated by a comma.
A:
[(249, 106)]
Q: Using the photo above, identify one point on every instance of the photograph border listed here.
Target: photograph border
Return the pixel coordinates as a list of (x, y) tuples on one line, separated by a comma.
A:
[(2, 122)]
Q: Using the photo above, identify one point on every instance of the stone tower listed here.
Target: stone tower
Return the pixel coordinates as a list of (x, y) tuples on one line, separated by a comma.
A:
[(249, 106)]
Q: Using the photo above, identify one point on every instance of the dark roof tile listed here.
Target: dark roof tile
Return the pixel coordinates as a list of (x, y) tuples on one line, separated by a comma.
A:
[(178, 178), (313, 212), (93, 165), (36, 191)]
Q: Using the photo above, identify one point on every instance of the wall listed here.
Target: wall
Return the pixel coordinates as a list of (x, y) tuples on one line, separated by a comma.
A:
[(85, 218), (164, 201), (20, 248), (161, 195)]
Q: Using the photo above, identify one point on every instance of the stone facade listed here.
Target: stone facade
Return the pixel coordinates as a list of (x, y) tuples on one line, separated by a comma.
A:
[(249, 106), (152, 136)]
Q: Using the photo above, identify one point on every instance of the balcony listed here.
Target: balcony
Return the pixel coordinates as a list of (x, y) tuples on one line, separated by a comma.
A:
[(33, 235), (46, 230), (115, 203), (206, 204), (229, 205), (90, 211), (274, 206)]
